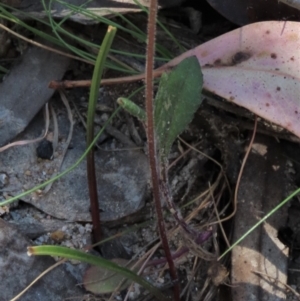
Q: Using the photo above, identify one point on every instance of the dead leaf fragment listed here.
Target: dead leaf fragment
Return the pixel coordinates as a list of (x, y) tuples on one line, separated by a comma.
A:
[(257, 67), (218, 273)]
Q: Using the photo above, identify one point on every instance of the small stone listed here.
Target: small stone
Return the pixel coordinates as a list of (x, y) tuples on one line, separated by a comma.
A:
[(45, 150), (57, 236), (81, 230), (3, 180), (4, 210)]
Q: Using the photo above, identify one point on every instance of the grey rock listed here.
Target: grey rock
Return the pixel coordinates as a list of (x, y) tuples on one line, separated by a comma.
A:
[(31, 75), (17, 270)]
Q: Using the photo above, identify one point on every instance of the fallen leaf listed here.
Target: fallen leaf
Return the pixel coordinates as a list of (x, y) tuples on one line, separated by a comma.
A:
[(99, 280), (257, 67)]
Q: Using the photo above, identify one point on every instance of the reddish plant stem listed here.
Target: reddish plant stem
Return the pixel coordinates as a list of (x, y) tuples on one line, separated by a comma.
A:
[(154, 165), (92, 183)]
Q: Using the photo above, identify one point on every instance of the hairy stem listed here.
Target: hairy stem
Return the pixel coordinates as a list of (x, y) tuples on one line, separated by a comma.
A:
[(154, 164)]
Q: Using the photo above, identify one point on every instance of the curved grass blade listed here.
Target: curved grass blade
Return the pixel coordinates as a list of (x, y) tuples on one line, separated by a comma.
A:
[(98, 261)]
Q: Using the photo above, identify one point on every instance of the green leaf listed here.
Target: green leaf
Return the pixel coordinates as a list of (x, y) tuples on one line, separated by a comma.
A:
[(177, 99)]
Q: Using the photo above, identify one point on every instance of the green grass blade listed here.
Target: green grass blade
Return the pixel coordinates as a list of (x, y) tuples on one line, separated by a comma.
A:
[(135, 32), (56, 27), (10, 17), (261, 221), (94, 92), (90, 14), (98, 261), (98, 70)]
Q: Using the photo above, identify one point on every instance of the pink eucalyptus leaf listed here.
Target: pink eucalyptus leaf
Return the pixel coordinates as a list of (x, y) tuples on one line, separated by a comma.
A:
[(257, 67)]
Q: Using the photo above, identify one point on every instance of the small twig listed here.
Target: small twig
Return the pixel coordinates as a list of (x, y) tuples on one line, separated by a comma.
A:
[(209, 158), (38, 278), (237, 188), (218, 216), (179, 253), (24, 142), (222, 173), (141, 269), (277, 280), (68, 84), (70, 135), (241, 173), (189, 287)]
